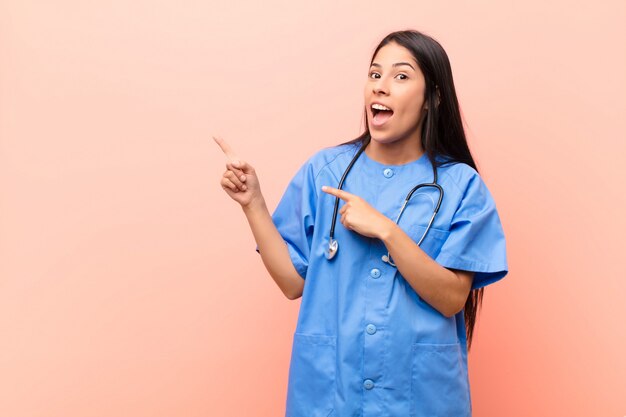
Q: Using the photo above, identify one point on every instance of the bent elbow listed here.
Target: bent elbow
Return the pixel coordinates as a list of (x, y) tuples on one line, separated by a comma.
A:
[(453, 311), (296, 290), (293, 296), (448, 314)]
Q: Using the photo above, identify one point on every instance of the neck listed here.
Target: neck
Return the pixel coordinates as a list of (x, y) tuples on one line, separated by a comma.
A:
[(399, 152)]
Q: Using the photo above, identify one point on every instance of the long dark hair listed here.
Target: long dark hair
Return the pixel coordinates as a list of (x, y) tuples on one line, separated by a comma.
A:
[(442, 131)]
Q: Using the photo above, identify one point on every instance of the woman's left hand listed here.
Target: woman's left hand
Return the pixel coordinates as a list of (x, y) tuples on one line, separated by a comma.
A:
[(358, 215)]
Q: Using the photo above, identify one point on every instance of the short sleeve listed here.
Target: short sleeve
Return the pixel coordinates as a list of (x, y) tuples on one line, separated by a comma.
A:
[(294, 216), (476, 239)]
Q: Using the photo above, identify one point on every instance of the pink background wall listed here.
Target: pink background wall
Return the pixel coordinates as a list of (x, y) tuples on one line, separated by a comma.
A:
[(129, 284)]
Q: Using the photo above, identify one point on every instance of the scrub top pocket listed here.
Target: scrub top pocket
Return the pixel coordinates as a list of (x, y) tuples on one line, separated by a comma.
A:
[(439, 381), (311, 387), (433, 241)]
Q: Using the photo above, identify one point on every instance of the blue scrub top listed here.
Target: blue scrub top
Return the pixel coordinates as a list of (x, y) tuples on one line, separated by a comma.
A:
[(366, 344)]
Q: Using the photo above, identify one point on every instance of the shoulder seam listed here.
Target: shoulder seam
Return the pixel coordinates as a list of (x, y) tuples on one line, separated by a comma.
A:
[(453, 180), (327, 163)]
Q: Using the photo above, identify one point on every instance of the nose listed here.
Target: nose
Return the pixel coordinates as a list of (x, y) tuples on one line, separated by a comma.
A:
[(380, 86)]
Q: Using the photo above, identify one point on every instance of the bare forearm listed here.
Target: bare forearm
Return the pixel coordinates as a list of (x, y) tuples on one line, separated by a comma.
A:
[(437, 285), (273, 250)]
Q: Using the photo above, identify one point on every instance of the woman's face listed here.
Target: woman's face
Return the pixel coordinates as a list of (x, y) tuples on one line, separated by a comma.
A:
[(396, 82)]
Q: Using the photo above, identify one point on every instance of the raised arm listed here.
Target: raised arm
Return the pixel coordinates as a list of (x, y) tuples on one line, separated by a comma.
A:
[(273, 249), (241, 183)]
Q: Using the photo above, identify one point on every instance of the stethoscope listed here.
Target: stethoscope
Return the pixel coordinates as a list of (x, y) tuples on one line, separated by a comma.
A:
[(333, 245)]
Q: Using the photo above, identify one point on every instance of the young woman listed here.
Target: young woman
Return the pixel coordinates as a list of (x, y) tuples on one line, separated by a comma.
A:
[(389, 295)]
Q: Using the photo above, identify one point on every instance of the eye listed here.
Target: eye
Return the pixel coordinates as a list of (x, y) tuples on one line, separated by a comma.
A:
[(371, 75)]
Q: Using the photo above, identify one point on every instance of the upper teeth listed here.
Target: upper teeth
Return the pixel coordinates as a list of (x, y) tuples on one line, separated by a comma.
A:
[(379, 107)]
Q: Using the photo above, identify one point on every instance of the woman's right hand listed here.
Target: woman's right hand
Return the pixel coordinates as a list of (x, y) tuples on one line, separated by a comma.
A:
[(239, 180)]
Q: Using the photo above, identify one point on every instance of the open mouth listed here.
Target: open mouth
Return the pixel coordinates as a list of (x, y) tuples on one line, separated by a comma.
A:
[(380, 114)]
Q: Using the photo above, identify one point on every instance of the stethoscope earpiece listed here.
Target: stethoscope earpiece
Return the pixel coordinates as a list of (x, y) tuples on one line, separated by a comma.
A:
[(387, 259)]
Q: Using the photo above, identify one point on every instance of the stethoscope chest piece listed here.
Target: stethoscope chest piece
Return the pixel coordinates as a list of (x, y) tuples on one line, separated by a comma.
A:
[(333, 245)]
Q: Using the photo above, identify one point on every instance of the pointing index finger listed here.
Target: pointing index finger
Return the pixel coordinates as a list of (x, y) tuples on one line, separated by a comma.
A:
[(344, 195), (228, 151)]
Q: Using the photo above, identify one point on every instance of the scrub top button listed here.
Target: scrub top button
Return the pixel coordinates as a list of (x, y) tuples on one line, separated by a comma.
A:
[(375, 273), (368, 384), (371, 329), (388, 172)]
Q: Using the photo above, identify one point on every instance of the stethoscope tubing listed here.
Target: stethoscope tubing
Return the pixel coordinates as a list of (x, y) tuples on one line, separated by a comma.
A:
[(333, 245)]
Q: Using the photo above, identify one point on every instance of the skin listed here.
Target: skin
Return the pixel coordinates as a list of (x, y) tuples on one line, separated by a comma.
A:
[(401, 88), (241, 183)]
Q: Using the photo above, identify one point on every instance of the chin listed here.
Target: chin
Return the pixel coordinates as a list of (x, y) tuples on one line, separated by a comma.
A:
[(383, 137)]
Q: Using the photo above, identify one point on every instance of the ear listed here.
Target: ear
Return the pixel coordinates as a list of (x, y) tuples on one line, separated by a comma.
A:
[(438, 98)]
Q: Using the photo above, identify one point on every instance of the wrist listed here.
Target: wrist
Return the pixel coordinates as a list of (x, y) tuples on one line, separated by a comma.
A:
[(254, 205), (387, 229)]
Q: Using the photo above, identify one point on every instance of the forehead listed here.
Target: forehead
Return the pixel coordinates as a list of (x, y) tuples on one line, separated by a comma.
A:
[(392, 53)]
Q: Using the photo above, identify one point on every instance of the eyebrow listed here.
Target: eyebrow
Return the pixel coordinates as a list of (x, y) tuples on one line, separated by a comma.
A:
[(397, 64)]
